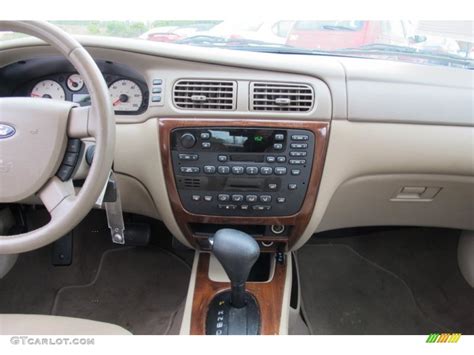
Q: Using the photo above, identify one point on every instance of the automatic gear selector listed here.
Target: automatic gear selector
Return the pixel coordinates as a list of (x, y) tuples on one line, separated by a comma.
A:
[(234, 312)]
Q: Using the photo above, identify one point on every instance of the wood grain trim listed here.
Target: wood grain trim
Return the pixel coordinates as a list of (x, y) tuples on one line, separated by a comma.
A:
[(299, 221), (269, 297)]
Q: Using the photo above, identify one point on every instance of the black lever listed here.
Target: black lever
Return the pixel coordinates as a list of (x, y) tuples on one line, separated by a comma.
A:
[(237, 252)]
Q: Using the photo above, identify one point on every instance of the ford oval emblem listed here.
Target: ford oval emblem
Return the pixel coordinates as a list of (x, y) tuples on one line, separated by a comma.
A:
[(6, 131)]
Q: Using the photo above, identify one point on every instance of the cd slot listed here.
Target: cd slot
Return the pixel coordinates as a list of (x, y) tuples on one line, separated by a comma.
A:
[(255, 158)]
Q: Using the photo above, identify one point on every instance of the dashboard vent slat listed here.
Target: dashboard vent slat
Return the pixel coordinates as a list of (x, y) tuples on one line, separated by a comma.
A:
[(190, 94), (284, 97)]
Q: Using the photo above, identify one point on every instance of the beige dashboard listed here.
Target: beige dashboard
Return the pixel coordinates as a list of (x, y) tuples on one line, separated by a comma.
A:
[(401, 143)]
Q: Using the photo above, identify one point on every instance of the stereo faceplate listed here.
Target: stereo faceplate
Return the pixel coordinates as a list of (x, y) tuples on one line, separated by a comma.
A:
[(242, 172)]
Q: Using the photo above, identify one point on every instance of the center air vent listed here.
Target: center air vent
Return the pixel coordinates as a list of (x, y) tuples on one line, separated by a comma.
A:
[(283, 97), (205, 94)]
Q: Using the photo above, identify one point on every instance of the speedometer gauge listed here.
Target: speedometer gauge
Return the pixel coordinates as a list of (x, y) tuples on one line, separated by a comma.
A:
[(126, 95), (48, 89)]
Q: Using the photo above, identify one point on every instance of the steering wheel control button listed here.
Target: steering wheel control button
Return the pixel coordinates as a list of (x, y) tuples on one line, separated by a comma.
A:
[(209, 169), (188, 140), (295, 172), (281, 199), (196, 198), (74, 145), (208, 198), (189, 169), (273, 186), (292, 186), (281, 159), (270, 159), (278, 146), (70, 159), (279, 137), (206, 145), (265, 198), (65, 172), (205, 135), (224, 170)]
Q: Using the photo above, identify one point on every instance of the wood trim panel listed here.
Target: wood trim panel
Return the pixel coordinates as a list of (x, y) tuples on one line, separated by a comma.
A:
[(299, 221), (269, 296)]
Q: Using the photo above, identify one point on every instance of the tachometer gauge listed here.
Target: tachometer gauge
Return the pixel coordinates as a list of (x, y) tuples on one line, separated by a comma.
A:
[(48, 89), (126, 95), (75, 82)]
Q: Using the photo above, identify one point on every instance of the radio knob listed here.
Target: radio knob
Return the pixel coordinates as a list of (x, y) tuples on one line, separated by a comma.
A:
[(188, 140)]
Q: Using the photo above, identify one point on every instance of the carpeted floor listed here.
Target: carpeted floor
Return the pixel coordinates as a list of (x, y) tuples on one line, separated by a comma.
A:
[(139, 288), (402, 281)]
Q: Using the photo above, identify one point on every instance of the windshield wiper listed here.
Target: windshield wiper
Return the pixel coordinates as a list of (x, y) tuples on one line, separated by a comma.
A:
[(390, 49), (338, 28)]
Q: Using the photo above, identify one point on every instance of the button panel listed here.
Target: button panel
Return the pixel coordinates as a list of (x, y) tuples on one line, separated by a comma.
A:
[(213, 179)]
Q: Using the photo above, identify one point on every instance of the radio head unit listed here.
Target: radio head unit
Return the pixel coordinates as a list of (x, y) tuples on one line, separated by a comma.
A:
[(226, 171)]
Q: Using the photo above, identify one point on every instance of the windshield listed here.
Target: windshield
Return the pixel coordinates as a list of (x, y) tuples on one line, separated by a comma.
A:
[(448, 43)]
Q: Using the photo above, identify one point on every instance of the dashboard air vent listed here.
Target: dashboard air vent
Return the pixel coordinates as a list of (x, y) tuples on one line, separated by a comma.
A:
[(205, 94), (285, 97)]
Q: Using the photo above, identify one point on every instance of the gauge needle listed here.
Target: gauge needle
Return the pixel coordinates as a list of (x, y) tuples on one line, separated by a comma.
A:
[(116, 102), (35, 95)]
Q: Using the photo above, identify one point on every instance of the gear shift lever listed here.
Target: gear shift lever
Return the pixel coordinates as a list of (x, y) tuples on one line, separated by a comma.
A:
[(237, 252)]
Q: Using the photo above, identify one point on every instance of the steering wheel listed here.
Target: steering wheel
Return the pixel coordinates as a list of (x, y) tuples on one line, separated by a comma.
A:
[(33, 139)]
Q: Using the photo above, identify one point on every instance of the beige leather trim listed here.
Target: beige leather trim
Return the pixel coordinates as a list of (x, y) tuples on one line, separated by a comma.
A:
[(34, 324)]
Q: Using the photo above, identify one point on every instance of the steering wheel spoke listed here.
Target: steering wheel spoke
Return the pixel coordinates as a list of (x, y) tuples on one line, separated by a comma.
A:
[(57, 196), (82, 122)]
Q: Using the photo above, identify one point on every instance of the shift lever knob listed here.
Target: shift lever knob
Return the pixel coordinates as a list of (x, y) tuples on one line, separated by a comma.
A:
[(237, 252)]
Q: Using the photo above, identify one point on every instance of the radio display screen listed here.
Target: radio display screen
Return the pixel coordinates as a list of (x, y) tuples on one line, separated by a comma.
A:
[(242, 140)]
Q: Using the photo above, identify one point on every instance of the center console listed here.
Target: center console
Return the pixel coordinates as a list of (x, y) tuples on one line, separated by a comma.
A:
[(257, 175), (238, 188)]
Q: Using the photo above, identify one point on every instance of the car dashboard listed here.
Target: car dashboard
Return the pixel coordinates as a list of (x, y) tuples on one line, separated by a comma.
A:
[(278, 146)]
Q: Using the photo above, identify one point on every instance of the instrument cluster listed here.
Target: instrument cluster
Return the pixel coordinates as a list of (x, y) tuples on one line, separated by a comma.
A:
[(128, 95)]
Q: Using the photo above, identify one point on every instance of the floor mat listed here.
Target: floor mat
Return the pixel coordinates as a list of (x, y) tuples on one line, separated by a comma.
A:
[(344, 293), (140, 289)]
